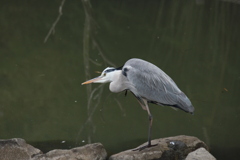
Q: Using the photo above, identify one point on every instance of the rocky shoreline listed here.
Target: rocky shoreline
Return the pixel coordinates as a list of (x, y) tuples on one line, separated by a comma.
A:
[(170, 148)]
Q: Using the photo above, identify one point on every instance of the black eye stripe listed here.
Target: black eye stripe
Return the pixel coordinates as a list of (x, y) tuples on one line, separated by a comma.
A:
[(110, 70)]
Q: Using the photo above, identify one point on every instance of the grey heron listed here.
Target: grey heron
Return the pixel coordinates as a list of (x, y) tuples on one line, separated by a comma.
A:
[(148, 83)]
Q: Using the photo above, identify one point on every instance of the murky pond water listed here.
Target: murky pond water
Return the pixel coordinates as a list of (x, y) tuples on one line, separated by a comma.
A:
[(42, 100)]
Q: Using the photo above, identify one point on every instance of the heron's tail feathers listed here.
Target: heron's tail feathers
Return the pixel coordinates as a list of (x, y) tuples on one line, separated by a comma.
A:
[(184, 104)]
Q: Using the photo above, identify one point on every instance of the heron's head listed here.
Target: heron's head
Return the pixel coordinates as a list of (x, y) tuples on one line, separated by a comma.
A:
[(105, 77)]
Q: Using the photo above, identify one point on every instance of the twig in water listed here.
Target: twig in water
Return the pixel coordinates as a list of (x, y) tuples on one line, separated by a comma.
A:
[(100, 88), (120, 106), (52, 29), (94, 62)]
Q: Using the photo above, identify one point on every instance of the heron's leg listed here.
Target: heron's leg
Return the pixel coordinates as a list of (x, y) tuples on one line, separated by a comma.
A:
[(149, 127), (150, 124), (126, 92)]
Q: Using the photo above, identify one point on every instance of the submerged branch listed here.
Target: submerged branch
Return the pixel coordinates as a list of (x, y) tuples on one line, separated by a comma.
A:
[(52, 29), (120, 106), (96, 63), (89, 119), (101, 53), (89, 40)]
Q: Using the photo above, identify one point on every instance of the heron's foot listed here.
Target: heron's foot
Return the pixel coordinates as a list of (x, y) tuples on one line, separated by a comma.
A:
[(144, 147)]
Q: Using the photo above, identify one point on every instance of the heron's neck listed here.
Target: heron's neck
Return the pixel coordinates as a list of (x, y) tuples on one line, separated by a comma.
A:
[(115, 76), (117, 82)]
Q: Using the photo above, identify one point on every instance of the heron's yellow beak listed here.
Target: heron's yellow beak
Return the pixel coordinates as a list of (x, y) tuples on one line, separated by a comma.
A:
[(92, 80)]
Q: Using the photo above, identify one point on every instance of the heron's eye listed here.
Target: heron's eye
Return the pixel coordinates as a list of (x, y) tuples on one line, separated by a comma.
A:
[(104, 74)]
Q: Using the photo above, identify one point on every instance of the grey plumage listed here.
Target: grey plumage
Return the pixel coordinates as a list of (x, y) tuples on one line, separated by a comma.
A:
[(154, 85)]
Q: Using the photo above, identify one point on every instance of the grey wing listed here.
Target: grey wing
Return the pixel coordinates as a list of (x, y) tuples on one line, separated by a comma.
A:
[(151, 83)]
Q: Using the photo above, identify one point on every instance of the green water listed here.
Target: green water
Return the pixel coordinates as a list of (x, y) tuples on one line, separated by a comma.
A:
[(43, 101)]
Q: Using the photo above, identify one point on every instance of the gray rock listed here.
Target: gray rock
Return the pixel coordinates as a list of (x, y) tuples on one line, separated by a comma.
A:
[(171, 148), (94, 151), (200, 154), (16, 148)]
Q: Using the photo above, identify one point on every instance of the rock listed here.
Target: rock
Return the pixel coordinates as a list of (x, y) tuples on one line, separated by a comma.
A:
[(200, 154), (171, 148), (94, 151), (16, 148)]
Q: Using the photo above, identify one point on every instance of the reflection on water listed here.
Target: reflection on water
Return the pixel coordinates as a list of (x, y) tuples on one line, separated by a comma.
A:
[(42, 100)]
